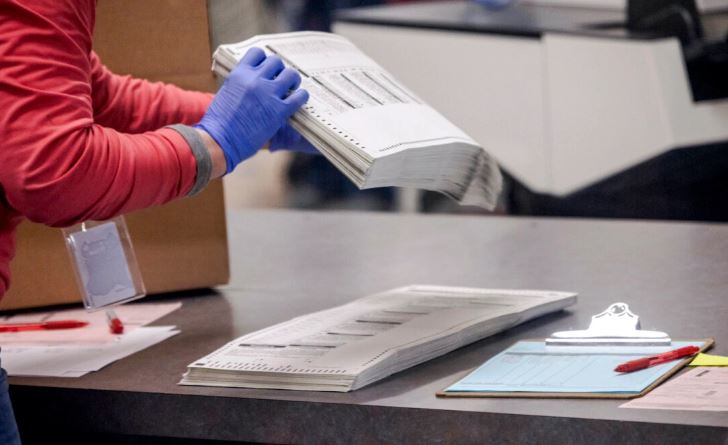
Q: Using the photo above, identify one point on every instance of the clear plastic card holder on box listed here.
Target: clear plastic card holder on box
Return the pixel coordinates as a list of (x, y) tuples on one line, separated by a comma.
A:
[(104, 263)]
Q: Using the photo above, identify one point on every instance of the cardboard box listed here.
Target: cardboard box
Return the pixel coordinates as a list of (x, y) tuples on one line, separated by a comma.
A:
[(182, 245)]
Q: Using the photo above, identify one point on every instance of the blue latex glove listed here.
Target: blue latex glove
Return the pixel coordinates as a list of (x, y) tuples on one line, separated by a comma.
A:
[(255, 101), (287, 138), (494, 4)]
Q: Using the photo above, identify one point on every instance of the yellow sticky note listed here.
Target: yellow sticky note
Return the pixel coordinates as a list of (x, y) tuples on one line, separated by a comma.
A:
[(709, 360)]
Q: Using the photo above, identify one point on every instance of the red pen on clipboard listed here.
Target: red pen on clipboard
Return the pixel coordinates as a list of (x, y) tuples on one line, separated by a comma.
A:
[(646, 362)]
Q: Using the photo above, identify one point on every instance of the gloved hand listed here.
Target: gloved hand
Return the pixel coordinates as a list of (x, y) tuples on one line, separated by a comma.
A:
[(287, 138), (255, 101)]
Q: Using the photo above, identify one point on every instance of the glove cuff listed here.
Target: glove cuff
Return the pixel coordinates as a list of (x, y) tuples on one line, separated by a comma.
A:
[(201, 154)]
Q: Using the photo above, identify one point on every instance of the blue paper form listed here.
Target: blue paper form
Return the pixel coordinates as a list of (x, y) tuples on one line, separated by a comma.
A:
[(531, 366)]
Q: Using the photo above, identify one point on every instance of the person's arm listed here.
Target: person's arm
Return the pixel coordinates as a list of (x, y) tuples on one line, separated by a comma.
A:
[(132, 105), (57, 165)]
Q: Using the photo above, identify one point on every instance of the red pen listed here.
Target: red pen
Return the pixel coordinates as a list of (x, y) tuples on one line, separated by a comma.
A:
[(646, 362), (57, 324), (115, 324)]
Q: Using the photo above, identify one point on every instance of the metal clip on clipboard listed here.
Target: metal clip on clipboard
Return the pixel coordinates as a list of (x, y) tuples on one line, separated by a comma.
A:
[(616, 326)]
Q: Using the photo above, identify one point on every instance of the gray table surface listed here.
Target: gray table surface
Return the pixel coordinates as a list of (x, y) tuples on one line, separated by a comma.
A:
[(287, 263)]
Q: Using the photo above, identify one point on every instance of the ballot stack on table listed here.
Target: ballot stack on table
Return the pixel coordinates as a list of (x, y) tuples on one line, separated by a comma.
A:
[(350, 346), (370, 126)]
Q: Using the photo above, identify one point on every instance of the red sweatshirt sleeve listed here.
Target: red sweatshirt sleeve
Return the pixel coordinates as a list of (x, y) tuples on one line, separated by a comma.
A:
[(135, 105), (57, 165)]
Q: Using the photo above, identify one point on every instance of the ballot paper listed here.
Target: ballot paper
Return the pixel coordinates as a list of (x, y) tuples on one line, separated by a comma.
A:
[(351, 346), (75, 352), (700, 389), (370, 126)]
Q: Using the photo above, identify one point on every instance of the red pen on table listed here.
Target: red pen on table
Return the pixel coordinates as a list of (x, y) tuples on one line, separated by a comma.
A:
[(115, 324), (646, 362), (40, 326)]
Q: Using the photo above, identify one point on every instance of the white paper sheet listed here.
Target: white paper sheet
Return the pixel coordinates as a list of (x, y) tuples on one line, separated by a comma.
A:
[(700, 389), (132, 315), (75, 360)]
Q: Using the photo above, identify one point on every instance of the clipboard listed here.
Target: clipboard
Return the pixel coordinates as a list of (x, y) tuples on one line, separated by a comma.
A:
[(663, 375), (578, 364)]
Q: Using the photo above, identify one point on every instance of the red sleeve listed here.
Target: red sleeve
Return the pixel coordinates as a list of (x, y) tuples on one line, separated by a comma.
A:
[(135, 105), (58, 166)]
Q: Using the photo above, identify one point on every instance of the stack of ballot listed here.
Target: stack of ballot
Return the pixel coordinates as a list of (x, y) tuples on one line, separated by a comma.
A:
[(370, 126), (76, 352), (353, 345)]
